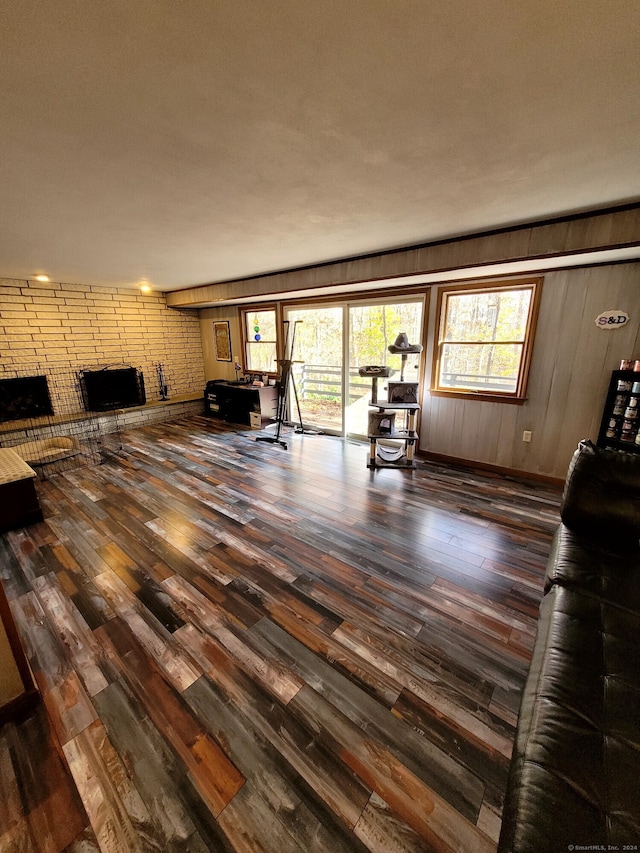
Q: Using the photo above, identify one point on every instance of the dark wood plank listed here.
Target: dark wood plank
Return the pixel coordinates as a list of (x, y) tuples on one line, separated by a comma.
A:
[(334, 783), (213, 773), (157, 773), (302, 801), (37, 788), (448, 777)]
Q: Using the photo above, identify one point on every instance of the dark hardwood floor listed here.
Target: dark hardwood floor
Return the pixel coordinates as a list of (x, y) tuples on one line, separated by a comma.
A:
[(245, 648)]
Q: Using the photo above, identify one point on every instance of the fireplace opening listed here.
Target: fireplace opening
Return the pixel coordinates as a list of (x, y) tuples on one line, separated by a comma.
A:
[(24, 397), (112, 388)]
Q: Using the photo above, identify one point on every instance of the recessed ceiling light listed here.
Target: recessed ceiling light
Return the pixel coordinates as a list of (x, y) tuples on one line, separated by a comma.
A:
[(42, 278), (145, 288)]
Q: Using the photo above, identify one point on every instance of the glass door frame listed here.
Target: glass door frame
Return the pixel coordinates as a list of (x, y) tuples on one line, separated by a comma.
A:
[(389, 299), (313, 306), (346, 303)]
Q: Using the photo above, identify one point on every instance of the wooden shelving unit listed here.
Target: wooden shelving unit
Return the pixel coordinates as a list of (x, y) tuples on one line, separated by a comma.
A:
[(620, 425)]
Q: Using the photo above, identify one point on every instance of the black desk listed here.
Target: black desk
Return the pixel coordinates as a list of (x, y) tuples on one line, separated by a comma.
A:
[(236, 402)]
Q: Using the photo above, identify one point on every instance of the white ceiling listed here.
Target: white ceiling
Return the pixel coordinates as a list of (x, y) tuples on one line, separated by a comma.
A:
[(205, 140)]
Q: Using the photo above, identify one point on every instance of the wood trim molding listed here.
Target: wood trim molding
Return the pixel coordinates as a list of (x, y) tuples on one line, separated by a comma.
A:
[(472, 465), (520, 395), (581, 233)]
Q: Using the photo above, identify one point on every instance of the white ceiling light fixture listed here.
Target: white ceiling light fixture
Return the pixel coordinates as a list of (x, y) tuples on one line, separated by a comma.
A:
[(42, 277)]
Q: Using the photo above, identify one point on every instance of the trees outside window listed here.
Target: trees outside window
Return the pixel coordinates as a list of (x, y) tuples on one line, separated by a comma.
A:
[(334, 340), (485, 338)]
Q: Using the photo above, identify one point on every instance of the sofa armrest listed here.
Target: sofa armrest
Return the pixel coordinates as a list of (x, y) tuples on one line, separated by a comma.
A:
[(601, 497)]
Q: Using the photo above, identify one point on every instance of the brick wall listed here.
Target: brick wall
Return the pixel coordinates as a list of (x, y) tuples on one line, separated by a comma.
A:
[(59, 329), (94, 326)]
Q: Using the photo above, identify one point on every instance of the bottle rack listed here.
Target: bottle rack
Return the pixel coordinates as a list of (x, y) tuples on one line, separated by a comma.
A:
[(620, 425)]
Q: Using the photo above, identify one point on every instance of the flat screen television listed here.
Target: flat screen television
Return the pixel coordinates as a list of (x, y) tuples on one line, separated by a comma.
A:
[(24, 397), (112, 388)]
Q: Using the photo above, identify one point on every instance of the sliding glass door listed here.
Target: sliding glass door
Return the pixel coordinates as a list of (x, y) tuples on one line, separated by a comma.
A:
[(317, 337), (331, 343), (373, 327)]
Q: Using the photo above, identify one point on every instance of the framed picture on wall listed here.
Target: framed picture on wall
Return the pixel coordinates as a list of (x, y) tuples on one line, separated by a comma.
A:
[(222, 340)]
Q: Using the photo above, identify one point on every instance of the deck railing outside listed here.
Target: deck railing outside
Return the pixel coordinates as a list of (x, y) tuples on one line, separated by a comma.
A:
[(325, 381)]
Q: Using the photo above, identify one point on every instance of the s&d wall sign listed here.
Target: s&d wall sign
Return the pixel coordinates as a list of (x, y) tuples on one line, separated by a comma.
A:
[(612, 319)]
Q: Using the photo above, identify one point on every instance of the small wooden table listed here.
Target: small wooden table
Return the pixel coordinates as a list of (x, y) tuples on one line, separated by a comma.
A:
[(19, 505)]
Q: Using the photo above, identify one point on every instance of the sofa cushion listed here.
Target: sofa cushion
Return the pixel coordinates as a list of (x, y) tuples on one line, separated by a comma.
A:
[(589, 566), (575, 775), (601, 497)]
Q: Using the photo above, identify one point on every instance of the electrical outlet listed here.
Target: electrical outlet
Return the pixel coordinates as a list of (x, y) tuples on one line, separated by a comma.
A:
[(526, 435)]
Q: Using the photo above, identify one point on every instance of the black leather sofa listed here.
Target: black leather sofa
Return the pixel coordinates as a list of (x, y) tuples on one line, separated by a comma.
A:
[(574, 780)]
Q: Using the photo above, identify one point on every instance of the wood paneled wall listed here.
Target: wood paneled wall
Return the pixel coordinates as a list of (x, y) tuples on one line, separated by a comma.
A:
[(584, 233), (208, 316), (570, 372), (572, 358)]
